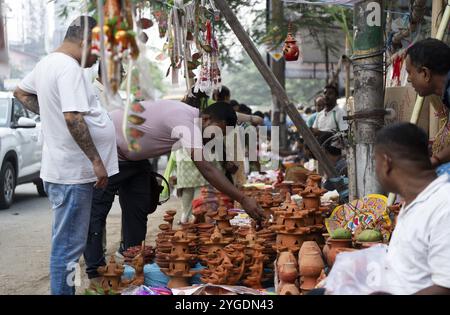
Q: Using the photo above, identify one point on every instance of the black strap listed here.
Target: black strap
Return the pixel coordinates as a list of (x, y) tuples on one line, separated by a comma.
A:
[(167, 183)]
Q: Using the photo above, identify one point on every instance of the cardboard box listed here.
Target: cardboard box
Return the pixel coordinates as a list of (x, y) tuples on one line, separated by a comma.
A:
[(402, 100)]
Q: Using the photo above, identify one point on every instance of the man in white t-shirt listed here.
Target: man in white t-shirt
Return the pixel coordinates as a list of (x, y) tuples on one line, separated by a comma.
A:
[(79, 149), (418, 258), (331, 118)]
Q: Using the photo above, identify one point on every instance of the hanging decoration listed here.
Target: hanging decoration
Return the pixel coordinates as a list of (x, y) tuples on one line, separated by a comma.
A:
[(138, 85), (191, 43), (119, 40), (291, 51), (160, 14), (397, 70), (209, 78)]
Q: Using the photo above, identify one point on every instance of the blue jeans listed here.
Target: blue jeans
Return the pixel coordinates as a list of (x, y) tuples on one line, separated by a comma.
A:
[(72, 210)]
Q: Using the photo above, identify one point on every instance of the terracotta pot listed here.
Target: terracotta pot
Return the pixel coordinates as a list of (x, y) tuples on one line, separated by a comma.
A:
[(311, 202), (315, 180), (309, 246), (284, 258), (289, 289), (311, 264), (288, 272), (335, 244)]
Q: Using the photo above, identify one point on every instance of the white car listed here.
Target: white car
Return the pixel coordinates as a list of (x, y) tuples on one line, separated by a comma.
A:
[(20, 148)]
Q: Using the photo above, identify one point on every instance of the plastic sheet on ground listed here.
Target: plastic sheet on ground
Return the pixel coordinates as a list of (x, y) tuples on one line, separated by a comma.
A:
[(209, 289), (153, 277)]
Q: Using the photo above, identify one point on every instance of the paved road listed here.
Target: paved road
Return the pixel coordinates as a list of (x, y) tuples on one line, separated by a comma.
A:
[(25, 232)]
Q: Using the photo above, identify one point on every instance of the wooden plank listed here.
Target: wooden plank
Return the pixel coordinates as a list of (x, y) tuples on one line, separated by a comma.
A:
[(276, 87)]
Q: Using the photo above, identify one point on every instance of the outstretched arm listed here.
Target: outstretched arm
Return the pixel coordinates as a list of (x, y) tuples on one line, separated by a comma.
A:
[(219, 181)]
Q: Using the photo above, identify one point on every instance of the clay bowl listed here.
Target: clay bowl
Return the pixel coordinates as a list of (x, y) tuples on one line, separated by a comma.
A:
[(164, 227), (171, 212)]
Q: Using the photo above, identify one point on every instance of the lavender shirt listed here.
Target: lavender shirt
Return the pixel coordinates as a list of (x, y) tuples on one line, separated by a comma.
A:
[(169, 125)]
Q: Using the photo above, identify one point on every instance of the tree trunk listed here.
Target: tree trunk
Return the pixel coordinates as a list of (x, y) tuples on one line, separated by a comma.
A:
[(278, 69), (369, 87)]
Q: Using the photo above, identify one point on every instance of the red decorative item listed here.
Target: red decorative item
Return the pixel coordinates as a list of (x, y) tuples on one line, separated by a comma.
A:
[(397, 70), (291, 52)]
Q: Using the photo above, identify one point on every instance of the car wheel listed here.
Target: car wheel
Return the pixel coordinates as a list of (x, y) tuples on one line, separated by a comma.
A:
[(40, 188), (7, 185)]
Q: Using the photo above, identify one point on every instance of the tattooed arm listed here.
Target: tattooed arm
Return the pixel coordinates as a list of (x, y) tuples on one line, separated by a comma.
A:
[(30, 101), (80, 132)]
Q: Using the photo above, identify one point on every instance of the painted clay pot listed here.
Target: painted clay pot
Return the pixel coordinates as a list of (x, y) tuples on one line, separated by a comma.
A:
[(334, 245), (288, 272)]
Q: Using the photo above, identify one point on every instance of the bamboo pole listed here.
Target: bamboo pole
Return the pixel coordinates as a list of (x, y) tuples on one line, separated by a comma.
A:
[(276, 87), (437, 10)]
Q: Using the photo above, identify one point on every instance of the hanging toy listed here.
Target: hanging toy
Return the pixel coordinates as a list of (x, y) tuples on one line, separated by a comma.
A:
[(397, 70), (120, 42), (209, 78), (291, 52), (162, 18)]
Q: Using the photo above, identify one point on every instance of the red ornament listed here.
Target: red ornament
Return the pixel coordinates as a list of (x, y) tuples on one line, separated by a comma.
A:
[(291, 52)]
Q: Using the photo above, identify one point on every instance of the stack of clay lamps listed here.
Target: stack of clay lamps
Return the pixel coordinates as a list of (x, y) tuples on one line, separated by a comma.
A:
[(287, 274), (268, 202), (311, 265), (226, 266), (180, 260), (138, 263), (291, 226), (111, 274), (312, 193), (219, 268), (251, 240), (215, 242), (222, 219), (169, 217), (163, 245), (147, 252), (192, 232), (256, 269)]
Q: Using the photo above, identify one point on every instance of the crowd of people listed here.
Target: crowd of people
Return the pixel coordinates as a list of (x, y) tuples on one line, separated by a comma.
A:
[(86, 161)]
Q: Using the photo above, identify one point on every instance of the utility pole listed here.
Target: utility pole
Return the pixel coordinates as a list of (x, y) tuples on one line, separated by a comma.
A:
[(369, 91), (279, 69)]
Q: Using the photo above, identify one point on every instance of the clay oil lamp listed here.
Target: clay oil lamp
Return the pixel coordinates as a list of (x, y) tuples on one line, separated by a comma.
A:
[(179, 260)]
